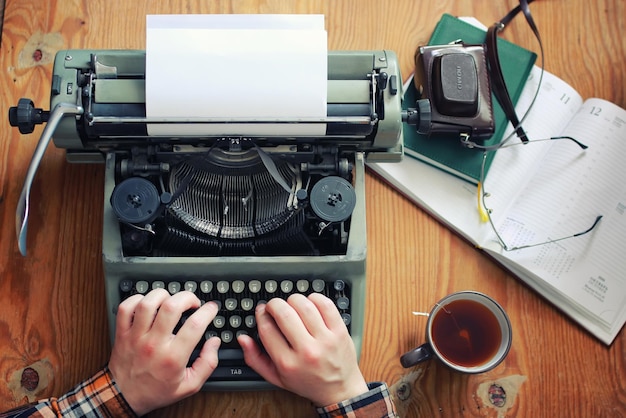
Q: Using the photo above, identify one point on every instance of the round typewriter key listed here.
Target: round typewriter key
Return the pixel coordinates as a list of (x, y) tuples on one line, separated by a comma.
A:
[(302, 285), (223, 286), (227, 336), (333, 199), (343, 302), (318, 285), (219, 321), (135, 200), (271, 286), (247, 304), (126, 285), (254, 286), (286, 286), (238, 286), (235, 321), (230, 304), (250, 321), (206, 286), (173, 287), (142, 286)]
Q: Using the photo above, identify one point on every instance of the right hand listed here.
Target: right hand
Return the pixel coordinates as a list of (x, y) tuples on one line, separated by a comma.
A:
[(309, 349)]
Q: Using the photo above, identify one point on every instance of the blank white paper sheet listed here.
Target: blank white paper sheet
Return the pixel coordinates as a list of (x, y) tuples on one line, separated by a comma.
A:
[(236, 66)]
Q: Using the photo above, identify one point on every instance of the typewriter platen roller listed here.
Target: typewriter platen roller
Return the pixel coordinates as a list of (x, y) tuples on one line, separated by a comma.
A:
[(223, 207)]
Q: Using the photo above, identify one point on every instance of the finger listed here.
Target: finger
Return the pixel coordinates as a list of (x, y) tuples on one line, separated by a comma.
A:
[(146, 310), (126, 313), (171, 311), (289, 323), (329, 312), (258, 360), (270, 334), (194, 327), (205, 364), (309, 314)]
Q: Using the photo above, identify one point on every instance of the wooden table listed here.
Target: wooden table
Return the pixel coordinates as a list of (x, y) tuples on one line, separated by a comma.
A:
[(52, 307)]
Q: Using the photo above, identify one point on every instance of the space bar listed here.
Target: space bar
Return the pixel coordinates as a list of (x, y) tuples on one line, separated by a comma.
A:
[(234, 373), (228, 355)]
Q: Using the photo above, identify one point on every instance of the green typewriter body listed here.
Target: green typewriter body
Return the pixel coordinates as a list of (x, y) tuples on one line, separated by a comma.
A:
[(235, 219)]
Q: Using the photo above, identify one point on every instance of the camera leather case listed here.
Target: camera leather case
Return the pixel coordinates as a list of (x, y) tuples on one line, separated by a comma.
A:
[(455, 79)]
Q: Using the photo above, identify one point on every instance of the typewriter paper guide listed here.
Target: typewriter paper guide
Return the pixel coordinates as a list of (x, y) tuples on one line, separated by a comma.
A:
[(236, 66)]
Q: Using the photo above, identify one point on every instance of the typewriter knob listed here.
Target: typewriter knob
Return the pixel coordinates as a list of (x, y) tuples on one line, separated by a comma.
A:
[(25, 116), (301, 195), (333, 199), (420, 116)]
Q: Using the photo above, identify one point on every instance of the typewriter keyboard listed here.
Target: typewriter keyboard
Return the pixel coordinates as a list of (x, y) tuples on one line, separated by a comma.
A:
[(237, 300)]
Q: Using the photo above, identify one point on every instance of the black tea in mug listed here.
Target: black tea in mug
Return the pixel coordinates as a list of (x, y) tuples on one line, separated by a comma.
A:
[(467, 331)]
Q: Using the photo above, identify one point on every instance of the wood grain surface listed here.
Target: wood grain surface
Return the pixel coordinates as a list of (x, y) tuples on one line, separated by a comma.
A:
[(52, 308)]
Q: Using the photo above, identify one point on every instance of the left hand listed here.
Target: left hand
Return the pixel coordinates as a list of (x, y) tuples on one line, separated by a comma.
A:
[(149, 361)]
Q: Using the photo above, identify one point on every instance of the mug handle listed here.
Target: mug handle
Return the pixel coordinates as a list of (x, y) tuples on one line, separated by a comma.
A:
[(422, 353)]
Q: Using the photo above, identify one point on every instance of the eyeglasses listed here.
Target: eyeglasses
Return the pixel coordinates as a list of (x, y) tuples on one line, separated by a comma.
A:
[(485, 212)]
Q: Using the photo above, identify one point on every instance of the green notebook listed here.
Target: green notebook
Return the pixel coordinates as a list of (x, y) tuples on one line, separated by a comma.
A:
[(448, 153)]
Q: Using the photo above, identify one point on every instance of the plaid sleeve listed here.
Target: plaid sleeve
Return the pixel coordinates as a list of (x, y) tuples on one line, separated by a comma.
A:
[(375, 403), (96, 397)]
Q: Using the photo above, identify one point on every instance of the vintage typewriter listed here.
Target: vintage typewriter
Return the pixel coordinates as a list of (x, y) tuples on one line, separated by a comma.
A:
[(235, 219)]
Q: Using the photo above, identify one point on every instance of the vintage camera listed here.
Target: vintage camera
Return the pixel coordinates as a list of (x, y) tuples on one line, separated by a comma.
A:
[(455, 92)]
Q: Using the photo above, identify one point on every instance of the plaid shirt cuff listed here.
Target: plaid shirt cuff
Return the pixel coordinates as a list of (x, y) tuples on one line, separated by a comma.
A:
[(375, 403), (96, 397)]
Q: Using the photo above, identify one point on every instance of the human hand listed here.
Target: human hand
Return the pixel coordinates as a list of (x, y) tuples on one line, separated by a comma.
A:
[(149, 362), (309, 349)]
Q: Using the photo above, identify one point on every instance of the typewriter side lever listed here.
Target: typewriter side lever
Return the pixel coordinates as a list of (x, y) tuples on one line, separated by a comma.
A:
[(25, 116)]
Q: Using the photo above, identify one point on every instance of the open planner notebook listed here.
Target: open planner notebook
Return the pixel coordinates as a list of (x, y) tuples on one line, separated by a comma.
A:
[(543, 191)]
